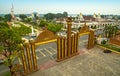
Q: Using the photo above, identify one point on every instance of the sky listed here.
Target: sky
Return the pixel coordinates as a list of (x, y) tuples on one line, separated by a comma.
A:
[(59, 6)]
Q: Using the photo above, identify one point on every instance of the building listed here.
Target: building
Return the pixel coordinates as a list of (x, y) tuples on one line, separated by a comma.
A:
[(91, 21), (12, 13)]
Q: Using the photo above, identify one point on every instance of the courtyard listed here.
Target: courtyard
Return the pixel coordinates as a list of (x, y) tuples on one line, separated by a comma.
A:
[(93, 62)]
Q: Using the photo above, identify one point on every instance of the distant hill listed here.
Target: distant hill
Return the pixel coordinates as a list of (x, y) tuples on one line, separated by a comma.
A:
[(41, 15), (16, 15)]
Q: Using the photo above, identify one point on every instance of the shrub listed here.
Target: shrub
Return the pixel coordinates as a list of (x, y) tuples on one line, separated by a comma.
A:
[(103, 42), (54, 27)]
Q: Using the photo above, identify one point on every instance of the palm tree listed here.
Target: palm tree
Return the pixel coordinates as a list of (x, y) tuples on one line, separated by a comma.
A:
[(115, 30), (110, 31)]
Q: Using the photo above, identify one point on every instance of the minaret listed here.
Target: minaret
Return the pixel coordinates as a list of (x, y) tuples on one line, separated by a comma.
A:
[(99, 16), (80, 17), (12, 12), (94, 16)]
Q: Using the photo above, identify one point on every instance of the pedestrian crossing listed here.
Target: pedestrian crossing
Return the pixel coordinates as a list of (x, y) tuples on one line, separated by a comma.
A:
[(42, 53), (48, 51), (45, 52)]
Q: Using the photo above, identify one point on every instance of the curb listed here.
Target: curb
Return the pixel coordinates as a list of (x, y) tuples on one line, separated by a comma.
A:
[(109, 49)]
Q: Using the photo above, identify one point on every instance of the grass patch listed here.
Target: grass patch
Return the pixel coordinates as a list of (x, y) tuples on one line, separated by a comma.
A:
[(110, 46), (7, 73)]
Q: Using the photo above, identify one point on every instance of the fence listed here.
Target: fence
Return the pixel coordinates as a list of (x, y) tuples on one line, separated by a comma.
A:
[(62, 49), (29, 60)]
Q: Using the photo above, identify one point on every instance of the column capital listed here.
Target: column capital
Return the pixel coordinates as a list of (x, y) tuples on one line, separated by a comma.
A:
[(68, 19)]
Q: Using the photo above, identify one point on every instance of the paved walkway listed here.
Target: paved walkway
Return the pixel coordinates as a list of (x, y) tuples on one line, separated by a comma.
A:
[(91, 62)]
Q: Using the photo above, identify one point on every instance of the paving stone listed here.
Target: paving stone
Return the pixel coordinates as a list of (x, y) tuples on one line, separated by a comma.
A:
[(93, 62)]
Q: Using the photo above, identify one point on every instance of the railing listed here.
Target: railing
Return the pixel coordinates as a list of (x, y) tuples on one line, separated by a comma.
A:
[(62, 49), (29, 60)]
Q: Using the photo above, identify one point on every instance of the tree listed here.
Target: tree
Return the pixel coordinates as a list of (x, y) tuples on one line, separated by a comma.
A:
[(9, 46), (49, 16), (65, 14), (8, 17), (1, 18), (110, 30), (118, 16), (22, 16), (28, 20), (42, 23), (54, 27), (59, 15), (22, 30), (115, 30), (3, 25)]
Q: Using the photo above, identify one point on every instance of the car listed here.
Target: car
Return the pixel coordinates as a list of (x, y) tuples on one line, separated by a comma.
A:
[(107, 51)]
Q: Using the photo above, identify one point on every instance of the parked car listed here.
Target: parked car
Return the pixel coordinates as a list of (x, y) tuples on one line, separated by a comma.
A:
[(107, 51)]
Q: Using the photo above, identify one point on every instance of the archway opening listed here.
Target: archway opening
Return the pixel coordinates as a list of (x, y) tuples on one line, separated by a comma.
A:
[(83, 41)]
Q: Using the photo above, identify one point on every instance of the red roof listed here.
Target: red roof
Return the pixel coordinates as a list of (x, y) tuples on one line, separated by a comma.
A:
[(89, 18)]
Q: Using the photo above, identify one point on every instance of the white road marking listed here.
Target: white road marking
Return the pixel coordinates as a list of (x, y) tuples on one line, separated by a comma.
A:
[(48, 51), (42, 53), (53, 49)]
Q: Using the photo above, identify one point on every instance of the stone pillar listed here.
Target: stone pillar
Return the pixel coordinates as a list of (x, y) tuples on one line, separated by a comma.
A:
[(69, 24)]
